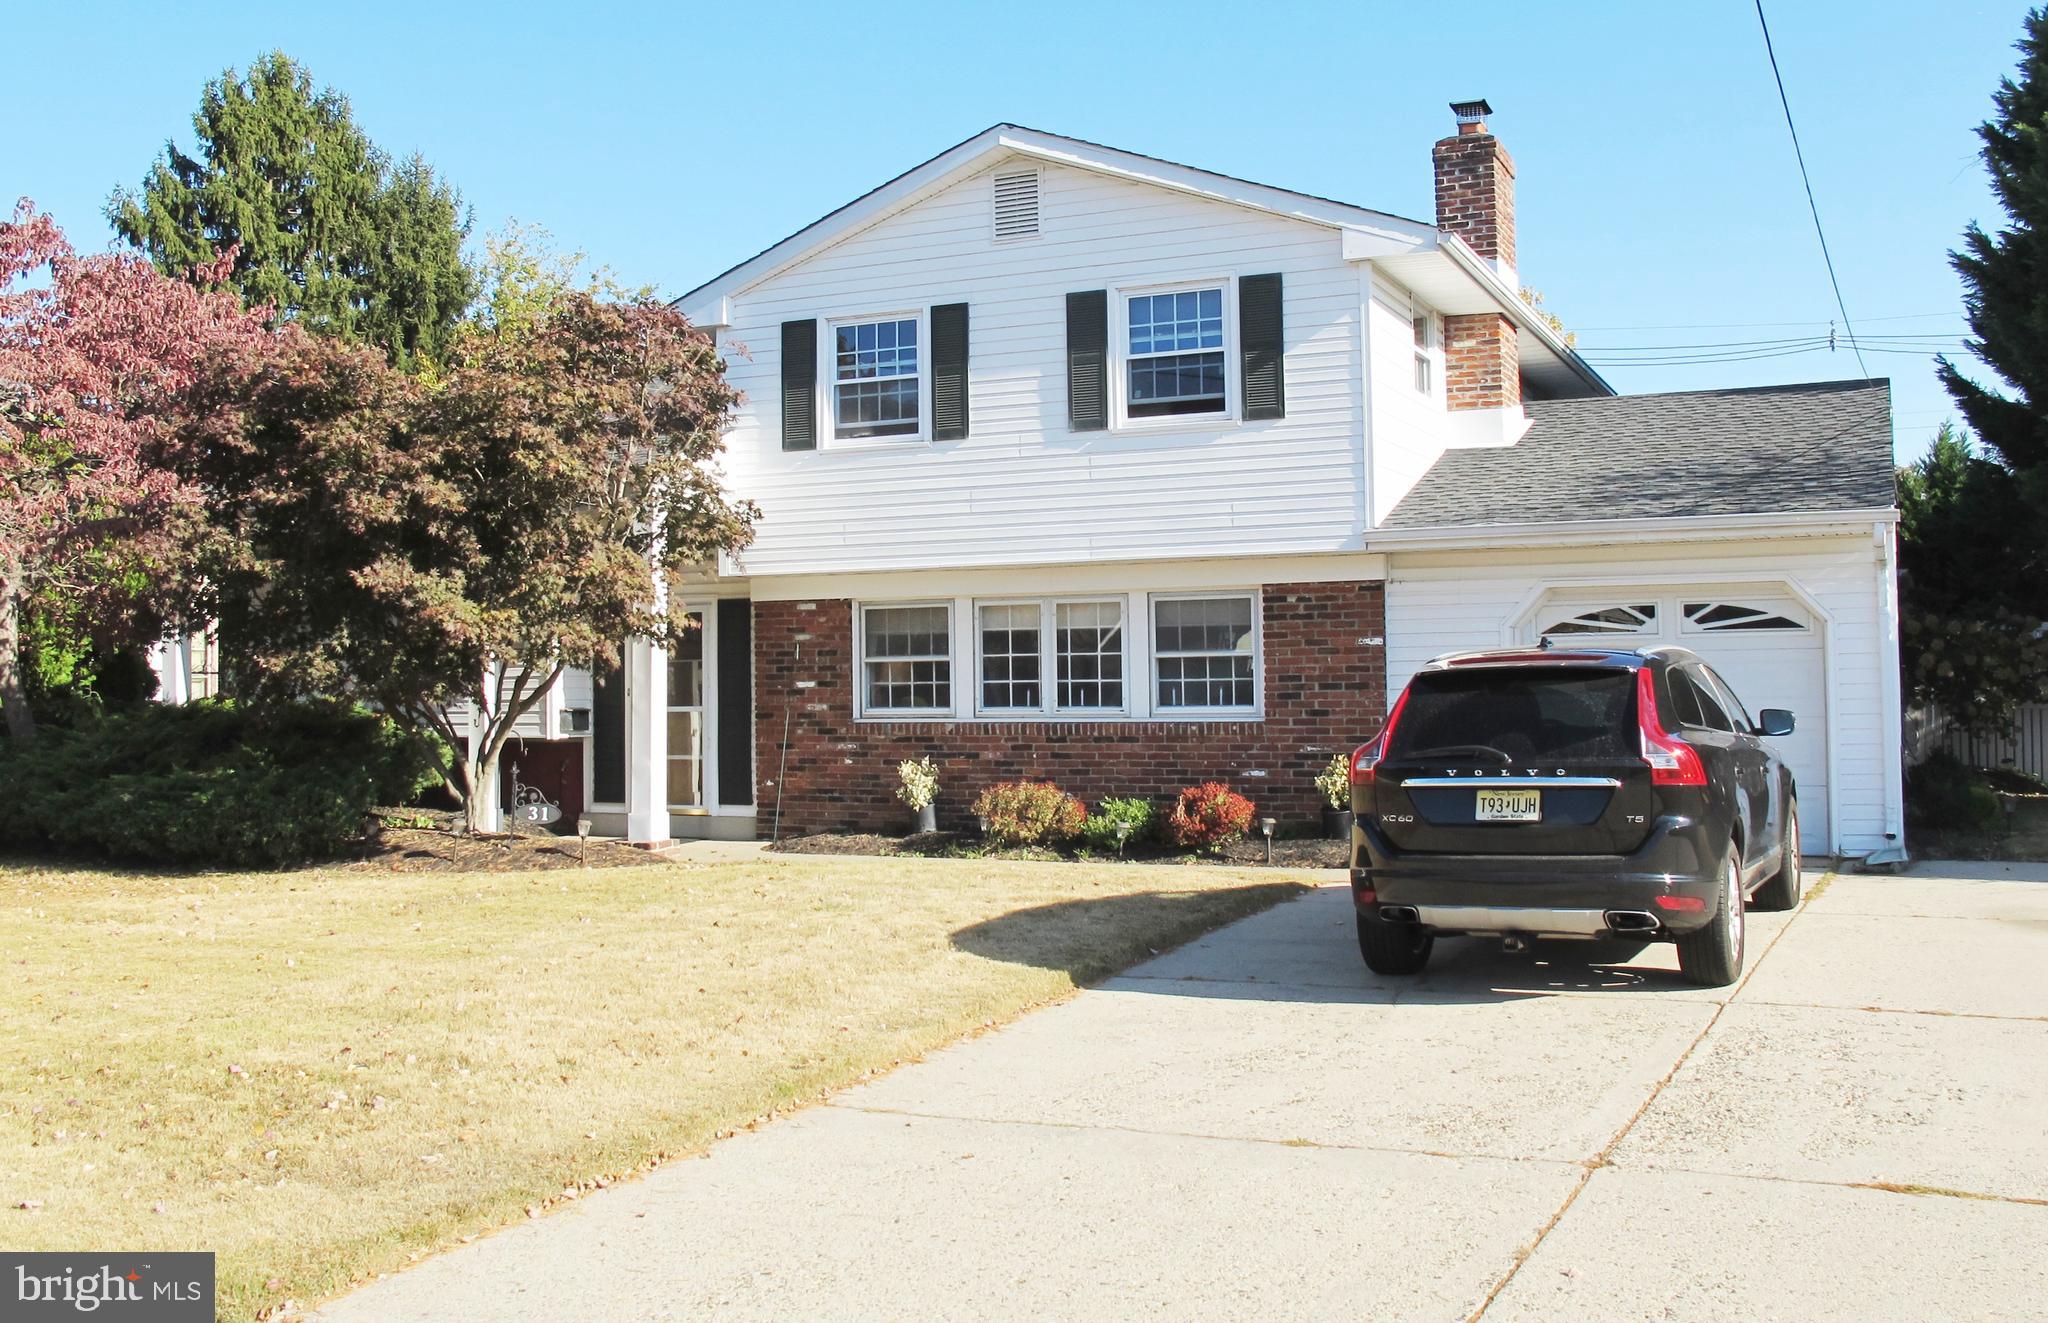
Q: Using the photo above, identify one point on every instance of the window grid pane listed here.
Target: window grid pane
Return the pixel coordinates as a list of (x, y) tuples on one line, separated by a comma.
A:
[(1175, 353), (875, 374), (1088, 643), (1010, 656), (1204, 656), (908, 657)]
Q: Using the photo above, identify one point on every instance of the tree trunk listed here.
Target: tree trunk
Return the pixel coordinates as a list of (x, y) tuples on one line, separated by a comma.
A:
[(482, 811), (21, 723)]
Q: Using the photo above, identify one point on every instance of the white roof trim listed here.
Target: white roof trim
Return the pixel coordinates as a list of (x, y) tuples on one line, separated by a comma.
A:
[(1653, 528), (709, 303)]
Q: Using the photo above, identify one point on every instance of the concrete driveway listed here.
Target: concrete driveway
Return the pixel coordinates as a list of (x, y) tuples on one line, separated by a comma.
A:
[(1255, 1127)]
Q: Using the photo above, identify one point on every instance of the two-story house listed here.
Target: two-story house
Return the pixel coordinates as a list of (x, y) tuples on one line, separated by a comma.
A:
[(1081, 465)]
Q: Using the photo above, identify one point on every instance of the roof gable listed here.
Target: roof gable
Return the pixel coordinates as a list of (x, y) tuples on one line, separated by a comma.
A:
[(706, 304)]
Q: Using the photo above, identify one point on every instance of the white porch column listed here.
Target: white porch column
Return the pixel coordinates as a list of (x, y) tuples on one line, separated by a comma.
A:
[(171, 659), (646, 742)]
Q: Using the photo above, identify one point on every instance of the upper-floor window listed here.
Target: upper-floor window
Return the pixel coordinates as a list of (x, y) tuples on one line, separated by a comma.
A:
[(875, 378), (1427, 347), (1175, 360)]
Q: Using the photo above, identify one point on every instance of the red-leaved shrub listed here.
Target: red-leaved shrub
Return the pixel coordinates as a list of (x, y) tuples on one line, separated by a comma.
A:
[(1030, 813), (1209, 814)]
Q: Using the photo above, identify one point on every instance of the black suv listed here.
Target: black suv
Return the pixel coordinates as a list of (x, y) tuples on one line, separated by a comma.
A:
[(1571, 793)]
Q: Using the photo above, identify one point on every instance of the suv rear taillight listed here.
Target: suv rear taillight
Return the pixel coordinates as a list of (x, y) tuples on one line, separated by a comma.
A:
[(1366, 757), (1672, 761)]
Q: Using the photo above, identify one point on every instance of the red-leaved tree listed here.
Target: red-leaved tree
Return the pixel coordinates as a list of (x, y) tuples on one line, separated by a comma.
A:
[(96, 354)]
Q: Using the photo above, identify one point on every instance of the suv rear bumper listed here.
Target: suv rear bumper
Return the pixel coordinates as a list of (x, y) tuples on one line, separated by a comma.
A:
[(1544, 895)]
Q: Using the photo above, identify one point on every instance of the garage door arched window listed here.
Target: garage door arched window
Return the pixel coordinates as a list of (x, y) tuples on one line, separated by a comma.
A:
[(1638, 619), (1713, 617)]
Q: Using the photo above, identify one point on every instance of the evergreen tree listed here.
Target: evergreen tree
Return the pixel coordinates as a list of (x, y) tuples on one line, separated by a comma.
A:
[(2006, 273), (325, 228)]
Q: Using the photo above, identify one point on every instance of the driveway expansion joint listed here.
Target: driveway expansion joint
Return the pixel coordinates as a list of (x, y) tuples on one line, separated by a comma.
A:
[(1203, 1137), (1604, 1157)]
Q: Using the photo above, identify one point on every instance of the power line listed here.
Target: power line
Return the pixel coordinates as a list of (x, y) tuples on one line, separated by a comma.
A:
[(1751, 326), (1800, 155)]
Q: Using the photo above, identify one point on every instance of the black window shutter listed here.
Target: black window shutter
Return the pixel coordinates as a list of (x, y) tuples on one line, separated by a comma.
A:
[(608, 732), (735, 701), (800, 385), (949, 372), (1259, 344), (1088, 360)]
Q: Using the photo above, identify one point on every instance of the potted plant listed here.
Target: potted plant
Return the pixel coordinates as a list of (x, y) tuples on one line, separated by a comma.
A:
[(920, 788), (1335, 783)]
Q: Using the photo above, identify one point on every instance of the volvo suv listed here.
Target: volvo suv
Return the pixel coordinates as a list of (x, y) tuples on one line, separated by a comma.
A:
[(1571, 793)]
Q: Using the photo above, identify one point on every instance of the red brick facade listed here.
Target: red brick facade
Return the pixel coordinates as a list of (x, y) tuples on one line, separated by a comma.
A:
[(1475, 193), (1325, 684), (1482, 362)]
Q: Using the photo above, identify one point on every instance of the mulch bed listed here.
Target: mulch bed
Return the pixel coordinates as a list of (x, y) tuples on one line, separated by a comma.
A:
[(1291, 852), (433, 842)]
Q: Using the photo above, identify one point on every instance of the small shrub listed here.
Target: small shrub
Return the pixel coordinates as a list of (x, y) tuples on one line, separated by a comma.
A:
[(1944, 794), (920, 783), (1030, 813), (1135, 816), (1334, 781), (1208, 815)]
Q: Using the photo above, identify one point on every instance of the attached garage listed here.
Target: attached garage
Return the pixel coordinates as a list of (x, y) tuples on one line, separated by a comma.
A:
[(1753, 527), (1769, 645)]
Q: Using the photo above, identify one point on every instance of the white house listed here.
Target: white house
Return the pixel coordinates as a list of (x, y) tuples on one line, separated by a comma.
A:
[(1082, 465)]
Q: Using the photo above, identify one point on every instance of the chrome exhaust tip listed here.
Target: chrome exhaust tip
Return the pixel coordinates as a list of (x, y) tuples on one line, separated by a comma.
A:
[(1632, 921), (1399, 913)]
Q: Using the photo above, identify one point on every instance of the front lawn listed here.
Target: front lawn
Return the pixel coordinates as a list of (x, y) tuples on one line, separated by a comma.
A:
[(322, 1075)]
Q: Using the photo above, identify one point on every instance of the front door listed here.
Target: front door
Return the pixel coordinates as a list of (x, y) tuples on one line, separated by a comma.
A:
[(687, 717)]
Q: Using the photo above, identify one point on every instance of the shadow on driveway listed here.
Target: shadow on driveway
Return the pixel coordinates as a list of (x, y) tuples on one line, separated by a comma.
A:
[(1306, 951), (1094, 938)]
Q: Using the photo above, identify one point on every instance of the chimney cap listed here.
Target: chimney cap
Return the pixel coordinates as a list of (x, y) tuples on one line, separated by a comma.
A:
[(1471, 115)]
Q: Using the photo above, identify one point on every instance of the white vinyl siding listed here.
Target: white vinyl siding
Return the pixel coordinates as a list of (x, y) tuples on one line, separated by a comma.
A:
[(1022, 489), (1410, 428)]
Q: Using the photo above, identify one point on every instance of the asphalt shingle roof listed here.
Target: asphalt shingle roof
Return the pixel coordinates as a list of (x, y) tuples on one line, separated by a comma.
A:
[(1814, 447)]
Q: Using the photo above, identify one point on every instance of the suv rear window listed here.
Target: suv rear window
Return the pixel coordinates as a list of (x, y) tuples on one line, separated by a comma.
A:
[(1552, 713)]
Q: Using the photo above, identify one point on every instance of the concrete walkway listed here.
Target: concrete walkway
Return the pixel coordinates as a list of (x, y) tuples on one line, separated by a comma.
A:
[(1255, 1127)]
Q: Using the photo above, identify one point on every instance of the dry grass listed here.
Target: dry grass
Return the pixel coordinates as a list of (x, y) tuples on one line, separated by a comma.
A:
[(324, 1075)]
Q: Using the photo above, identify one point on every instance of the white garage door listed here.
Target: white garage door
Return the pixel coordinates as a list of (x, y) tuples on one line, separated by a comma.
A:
[(1766, 645)]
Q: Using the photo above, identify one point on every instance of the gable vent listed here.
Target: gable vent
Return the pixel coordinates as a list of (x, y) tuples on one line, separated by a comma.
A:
[(1016, 198)]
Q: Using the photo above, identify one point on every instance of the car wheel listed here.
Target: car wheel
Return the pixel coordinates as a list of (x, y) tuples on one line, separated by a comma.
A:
[(1393, 948), (1712, 956), (1782, 892)]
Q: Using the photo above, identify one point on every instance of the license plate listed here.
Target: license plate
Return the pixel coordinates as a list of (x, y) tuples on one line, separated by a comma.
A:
[(1510, 806)]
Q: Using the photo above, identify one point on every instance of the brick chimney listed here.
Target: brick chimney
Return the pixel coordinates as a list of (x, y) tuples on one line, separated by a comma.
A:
[(1475, 200)]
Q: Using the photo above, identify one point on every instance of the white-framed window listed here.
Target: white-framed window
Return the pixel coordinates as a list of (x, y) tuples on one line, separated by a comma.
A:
[(1205, 652), (1713, 617), (1088, 656), (907, 658), (876, 366), (1428, 350), (1175, 345), (1051, 655), (1010, 637)]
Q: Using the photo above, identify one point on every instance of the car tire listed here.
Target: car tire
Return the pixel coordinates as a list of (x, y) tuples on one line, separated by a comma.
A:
[(1393, 948), (1712, 956), (1783, 891)]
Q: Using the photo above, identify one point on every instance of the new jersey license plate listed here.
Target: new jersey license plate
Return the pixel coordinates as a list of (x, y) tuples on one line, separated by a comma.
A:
[(1510, 806)]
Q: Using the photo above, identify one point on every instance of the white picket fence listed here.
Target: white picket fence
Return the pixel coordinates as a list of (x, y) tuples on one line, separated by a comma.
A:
[(2025, 749)]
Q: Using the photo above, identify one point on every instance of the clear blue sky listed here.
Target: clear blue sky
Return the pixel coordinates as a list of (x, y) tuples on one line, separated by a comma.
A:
[(1659, 200)]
